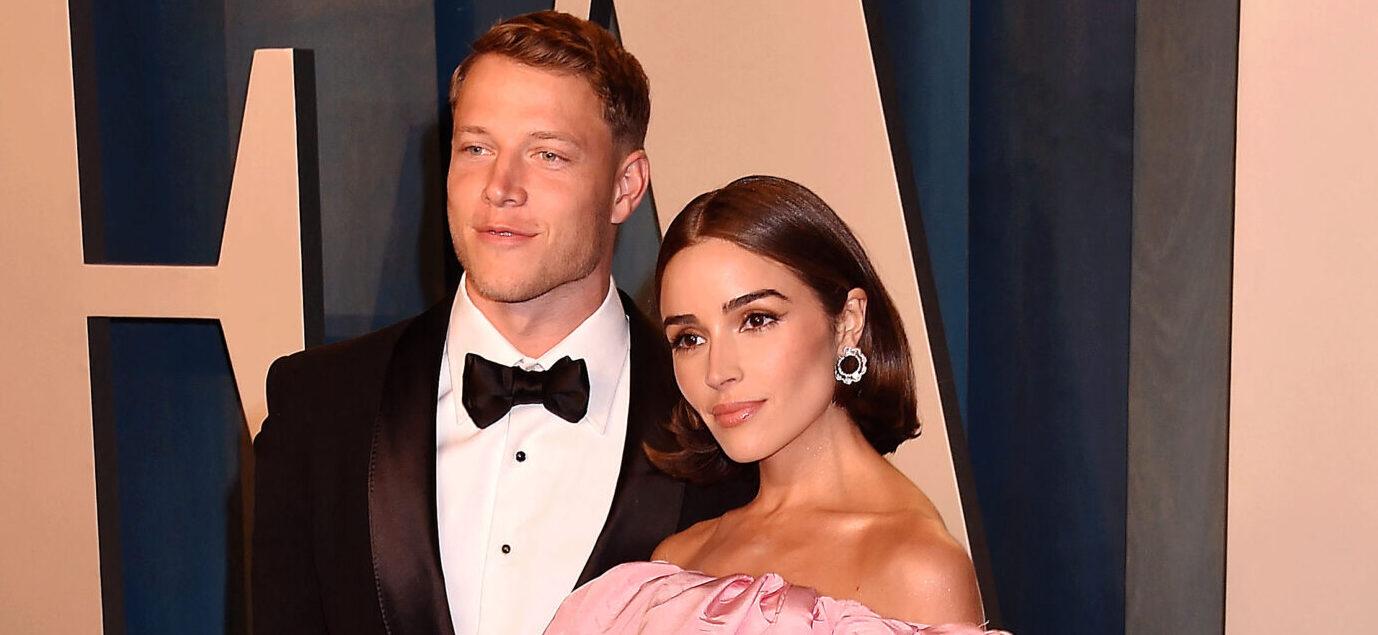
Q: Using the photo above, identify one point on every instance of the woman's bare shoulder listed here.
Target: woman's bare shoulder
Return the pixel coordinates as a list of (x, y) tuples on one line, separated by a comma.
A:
[(923, 573), (680, 548)]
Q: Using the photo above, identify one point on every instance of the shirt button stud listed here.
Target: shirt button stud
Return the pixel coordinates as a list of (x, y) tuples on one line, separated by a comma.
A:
[(507, 548), (521, 456)]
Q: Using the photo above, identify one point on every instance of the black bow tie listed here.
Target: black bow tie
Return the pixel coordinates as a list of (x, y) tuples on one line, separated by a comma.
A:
[(491, 389)]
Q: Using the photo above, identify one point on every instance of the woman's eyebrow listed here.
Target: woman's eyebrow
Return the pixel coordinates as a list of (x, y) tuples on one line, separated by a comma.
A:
[(734, 303), (684, 318), (748, 298)]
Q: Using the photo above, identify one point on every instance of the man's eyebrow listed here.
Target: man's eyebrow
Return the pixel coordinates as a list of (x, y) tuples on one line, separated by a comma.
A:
[(549, 135), (479, 130), (748, 298)]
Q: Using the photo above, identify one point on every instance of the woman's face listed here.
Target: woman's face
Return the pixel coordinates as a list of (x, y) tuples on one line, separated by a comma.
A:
[(754, 349)]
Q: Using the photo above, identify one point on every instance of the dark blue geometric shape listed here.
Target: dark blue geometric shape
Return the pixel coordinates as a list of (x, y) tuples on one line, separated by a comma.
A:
[(1052, 133), (155, 147), (929, 47), (171, 445)]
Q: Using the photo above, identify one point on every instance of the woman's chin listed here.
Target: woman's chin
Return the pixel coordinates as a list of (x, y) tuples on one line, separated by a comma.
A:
[(741, 454)]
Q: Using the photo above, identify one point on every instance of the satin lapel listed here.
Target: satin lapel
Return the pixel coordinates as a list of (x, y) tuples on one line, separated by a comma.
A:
[(401, 483), (646, 505)]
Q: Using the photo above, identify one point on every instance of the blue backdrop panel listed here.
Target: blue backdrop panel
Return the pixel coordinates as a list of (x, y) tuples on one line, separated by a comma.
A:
[(929, 49), (177, 470), (156, 157), (1051, 167)]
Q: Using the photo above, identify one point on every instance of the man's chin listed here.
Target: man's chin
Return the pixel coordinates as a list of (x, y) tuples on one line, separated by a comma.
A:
[(516, 282), (505, 290)]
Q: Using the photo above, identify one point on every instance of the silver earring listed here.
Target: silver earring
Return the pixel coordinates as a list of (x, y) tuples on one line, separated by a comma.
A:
[(857, 364)]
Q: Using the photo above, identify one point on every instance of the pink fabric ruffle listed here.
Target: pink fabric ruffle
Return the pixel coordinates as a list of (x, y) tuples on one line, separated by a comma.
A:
[(659, 597)]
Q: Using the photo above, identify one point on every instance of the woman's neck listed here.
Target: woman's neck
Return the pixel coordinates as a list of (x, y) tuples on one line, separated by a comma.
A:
[(828, 466)]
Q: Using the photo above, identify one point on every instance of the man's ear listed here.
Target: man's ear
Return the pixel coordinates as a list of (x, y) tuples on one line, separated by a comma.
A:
[(852, 321), (633, 177)]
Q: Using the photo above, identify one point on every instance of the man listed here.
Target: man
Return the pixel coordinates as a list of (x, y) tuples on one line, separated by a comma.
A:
[(464, 470)]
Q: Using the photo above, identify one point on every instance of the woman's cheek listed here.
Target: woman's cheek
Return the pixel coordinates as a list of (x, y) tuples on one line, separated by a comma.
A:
[(774, 359), (689, 376)]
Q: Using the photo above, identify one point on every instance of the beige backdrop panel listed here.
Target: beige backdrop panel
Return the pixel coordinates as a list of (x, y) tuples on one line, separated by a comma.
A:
[(1303, 516), (49, 560), (788, 89)]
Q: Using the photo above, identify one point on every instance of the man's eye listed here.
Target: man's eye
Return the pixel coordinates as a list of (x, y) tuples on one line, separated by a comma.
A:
[(755, 321), (549, 157), (686, 341), (472, 150)]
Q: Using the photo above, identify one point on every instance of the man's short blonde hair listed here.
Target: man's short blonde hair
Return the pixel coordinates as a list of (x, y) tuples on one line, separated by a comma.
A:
[(562, 43)]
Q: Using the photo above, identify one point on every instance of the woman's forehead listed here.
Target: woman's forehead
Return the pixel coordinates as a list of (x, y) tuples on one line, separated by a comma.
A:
[(716, 271)]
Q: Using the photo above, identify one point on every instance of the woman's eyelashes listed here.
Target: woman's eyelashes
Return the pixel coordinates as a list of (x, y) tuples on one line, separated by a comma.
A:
[(758, 320), (685, 340), (752, 321)]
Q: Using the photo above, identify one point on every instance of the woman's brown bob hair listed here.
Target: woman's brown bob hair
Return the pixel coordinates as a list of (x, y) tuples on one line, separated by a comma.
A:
[(782, 220)]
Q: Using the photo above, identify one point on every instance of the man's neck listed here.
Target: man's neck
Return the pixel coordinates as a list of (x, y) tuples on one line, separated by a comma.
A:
[(535, 326)]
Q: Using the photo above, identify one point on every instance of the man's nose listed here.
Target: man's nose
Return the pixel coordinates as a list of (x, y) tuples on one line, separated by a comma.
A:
[(505, 187)]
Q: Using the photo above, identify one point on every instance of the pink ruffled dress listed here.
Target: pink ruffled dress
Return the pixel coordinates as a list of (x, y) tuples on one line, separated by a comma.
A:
[(659, 597)]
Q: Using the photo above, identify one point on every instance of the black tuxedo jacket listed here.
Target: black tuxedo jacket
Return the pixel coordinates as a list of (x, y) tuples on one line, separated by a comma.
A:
[(345, 537)]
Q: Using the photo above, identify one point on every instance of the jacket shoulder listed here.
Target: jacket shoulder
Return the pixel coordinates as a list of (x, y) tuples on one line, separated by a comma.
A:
[(338, 379), (365, 354)]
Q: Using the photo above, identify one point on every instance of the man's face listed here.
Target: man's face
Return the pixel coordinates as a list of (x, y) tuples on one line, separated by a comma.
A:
[(531, 182)]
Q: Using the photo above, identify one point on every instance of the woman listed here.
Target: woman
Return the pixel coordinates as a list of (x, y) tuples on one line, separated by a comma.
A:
[(792, 361)]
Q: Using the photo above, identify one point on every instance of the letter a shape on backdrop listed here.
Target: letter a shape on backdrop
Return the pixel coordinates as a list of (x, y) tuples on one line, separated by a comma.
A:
[(265, 291)]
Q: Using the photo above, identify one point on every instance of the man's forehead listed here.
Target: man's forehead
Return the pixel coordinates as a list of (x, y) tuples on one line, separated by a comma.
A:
[(493, 67), (500, 75), (536, 134)]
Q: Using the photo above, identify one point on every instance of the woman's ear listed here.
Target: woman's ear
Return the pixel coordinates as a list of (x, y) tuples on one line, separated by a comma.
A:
[(852, 321)]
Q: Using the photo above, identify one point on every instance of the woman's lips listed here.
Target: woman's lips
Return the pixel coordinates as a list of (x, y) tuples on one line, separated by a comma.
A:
[(732, 414)]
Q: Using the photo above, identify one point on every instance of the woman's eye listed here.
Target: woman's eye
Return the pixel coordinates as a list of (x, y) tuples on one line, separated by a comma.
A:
[(686, 341), (755, 321)]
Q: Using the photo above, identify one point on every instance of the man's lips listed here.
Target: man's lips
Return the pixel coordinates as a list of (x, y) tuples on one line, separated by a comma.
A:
[(503, 234), (735, 413)]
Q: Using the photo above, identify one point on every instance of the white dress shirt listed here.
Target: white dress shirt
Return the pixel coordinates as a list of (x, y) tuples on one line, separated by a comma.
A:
[(521, 502)]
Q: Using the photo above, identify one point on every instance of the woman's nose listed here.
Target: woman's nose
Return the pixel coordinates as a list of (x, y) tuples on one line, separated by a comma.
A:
[(724, 367)]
